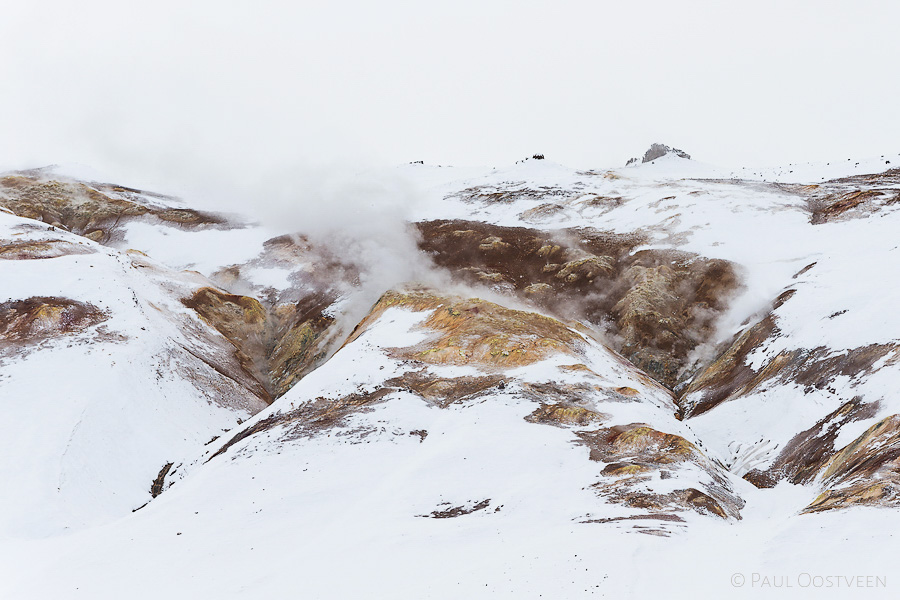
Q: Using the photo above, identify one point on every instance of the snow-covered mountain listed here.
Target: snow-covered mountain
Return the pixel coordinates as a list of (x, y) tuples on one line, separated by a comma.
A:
[(646, 380)]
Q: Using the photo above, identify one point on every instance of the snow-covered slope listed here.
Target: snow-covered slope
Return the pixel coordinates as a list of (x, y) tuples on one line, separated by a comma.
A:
[(667, 349), (106, 377)]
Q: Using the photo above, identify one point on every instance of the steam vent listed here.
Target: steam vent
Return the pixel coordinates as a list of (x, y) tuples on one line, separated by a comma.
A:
[(538, 382)]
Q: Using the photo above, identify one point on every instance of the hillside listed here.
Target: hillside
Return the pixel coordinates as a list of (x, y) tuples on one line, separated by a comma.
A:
[(535, 382)]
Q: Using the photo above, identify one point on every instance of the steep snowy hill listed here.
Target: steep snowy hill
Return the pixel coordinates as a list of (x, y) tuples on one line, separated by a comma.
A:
[(628, 382)]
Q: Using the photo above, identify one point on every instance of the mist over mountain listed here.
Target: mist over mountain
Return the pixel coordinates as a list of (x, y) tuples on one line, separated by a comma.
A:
[(433, 382)]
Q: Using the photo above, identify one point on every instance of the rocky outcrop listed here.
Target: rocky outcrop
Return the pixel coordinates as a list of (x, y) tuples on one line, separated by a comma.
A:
[(40, 249), (860, 473), (39, 318), (658, 151), (539, 381), (443, 391), (493, 195), (804, 456), (866, 472), (566, 414), (658, 304), (637, 454), (729, 377), (859, 196), (542, 213), (275, 346), (476, 332), (498, 341), (86, 210)]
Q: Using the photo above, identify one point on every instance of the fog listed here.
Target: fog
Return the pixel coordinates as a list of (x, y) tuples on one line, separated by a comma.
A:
[(361, 218), (295, 112), (156, 92)]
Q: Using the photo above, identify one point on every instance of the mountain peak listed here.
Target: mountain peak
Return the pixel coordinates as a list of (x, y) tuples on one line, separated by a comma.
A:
[(657, 151)]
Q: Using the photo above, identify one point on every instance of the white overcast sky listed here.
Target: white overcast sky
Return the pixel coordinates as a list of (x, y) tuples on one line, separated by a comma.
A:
[(157, 86)]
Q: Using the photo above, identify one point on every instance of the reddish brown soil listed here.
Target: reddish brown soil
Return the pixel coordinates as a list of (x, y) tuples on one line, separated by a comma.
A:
[(275, 347), (41, 317), (659, 304), (87, 211)]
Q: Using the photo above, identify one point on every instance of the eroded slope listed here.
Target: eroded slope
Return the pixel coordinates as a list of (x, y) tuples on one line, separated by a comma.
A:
[(656, 305), (478, 362)]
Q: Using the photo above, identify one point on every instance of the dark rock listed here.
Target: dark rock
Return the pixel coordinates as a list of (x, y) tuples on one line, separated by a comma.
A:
[(659, 150)]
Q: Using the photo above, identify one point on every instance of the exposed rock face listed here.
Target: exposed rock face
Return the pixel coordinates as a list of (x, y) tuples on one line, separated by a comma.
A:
[(566, 414), (277, 338), (659, 304), (443, 391), (542, 212), (484, 195), (40, 249), (729, 377), (803, 457), (636, 453), (498, 341), (866, 472), (86, 210), (862, 472), (591, 389), (659, 150), (313, 417), (476, 332), (39, 318), (277, 347), (851, 197), (282, 333), (667, 309)]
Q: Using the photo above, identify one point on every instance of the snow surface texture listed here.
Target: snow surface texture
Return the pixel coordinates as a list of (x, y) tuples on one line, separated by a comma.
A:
[(406, 498)]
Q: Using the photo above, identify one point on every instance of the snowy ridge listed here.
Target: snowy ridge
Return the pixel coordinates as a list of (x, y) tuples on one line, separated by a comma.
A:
[(605, 369)]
